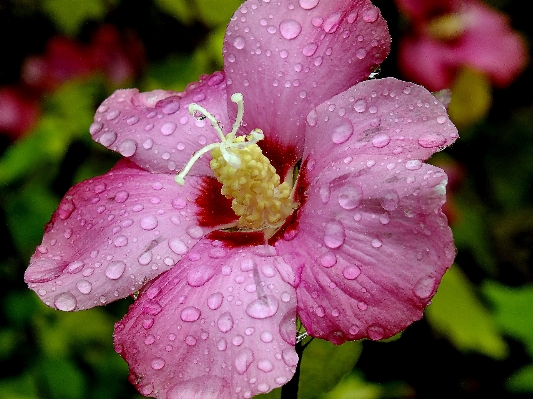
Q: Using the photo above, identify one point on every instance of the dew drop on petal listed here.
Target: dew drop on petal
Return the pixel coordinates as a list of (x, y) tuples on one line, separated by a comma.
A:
[(334, 234), (290, 29), (225, 322), (376, 243), (215, 300), (370, 14), (328, 259), (309, 49), (265, 365), (308, 4), (350, 197), (381, 140), (65, 302), (168, 128), (360, 105), (375, 332), (158, 363), (127, 148), (266, 336), (351, 272), (239, 42), (389, 201), (244, 358), (290, 357), (190, 313), (441, 119), (262, 307), (84, 286), (413, 164), (424, 288), (200, 275), (149, 222), (431, 140), (177, 246), (342, 133), (115, 270)]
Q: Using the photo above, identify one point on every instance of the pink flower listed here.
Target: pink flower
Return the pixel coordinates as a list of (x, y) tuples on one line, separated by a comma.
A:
[(451, 34), (19, 111), (360, 248)]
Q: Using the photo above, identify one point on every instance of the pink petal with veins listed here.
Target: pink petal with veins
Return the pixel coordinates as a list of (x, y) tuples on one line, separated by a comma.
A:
[(286, 58), (112, 234), (221, 324), (155, 129)]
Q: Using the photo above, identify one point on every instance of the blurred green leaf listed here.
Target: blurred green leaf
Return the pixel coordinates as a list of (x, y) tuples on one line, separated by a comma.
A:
[(522, 380), (69, 15), (214, 13), (324, 364), (513, 310), (353, 386), (63, 379), (457, 313), (21, 387), (179, 9)]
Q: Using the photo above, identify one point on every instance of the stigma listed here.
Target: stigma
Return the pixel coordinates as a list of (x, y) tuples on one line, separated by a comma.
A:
[(248, 178)]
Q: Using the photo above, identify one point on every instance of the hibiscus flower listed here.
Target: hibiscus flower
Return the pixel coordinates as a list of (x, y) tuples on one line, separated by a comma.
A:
[(313, 203), (448, 35)]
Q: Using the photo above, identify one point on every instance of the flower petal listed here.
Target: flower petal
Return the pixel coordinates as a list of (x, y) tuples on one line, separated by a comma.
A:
[(287, 57), (155, 129), (112, 234), (375, 245), (221, 324), (381, 117)]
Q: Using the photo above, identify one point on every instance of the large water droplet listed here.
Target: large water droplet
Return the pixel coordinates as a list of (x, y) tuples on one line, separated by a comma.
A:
[(107, 138), (432, 140), (66, 208), (168, 128), (115, 270), (331, 23), (308, 4), (178, 246), (239, 42), (309, 49), (127, 148), (380, 140), (263, 307), (158, 363), (215, 300), (334, 234), (424, 288), (370, 14), (244, 358), (413, 164), (190, 313), (225, 322), (389, 201), (290, 357), (65, 302), (266, 336), (84, 286), (342, 133), (328, 259), (200, 275), (375, 332), (149, 222), (290, 29), (265, 365), (350, 197)]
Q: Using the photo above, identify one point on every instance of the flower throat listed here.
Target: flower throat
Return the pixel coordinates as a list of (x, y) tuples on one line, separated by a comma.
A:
[(246, 175)]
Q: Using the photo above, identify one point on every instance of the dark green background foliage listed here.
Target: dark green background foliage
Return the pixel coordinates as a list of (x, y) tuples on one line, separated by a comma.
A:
[(476, 340)]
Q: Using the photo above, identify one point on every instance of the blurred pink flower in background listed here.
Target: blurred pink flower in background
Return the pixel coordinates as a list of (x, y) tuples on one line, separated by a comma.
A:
[(19, 111), (447, 35), (359, 255)]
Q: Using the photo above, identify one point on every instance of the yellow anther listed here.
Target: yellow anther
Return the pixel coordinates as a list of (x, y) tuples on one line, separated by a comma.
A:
[(448, 26), (246, 175)]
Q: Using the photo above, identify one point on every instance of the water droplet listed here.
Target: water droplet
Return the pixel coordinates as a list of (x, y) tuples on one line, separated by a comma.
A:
[(350, 197), (244, 358), (225, 322), (265, 365), (308, 4), (263, 307), (331, 23), (424, 288), (195, 232), (370, 14), (65, 302), (149, 222), (190, 340), (351, 272), (112, 114), (432, 140), (66, 208), (190, 313), (413, 164), (360, 105), (127, 148), (441, 119), (380, 140), (237, 340), (95, 128), (334, 234), (309, 49), (389, 201), (169, 105), (200, 275), (121, 196), (115, 270), (84, 286), (75, 267), (132, 120), (107, 138), (266, 336), (178, 246), (168, 128), (215, 300), (325, 193), (290, 29), (290, 357), (328, 259), (222, 344), (158, 363), (239, 42), (121, 241), (145, 258), (375, 332), (342, 133), (360, 53), (376, 243)]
